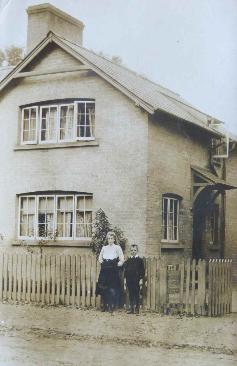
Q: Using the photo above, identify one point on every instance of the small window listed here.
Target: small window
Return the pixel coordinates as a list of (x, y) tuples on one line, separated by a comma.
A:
[(58, 122), (170, 219), (53, 216)]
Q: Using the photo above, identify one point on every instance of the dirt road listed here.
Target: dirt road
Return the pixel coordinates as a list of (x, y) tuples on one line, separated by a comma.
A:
[(34, 335)]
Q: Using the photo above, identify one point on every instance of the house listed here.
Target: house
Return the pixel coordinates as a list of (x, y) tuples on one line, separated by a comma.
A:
[(80, 133)]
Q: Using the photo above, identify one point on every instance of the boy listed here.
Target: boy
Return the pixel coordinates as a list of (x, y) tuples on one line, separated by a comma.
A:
[(134, 272)]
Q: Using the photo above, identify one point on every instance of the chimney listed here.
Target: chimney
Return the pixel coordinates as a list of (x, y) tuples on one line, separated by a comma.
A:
[(44, 18)]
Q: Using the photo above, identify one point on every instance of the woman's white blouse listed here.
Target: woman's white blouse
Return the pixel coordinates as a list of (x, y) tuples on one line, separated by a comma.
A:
[(111, 252)]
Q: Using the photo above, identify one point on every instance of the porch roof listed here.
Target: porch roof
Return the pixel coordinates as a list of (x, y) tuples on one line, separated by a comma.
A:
[(211, 179)]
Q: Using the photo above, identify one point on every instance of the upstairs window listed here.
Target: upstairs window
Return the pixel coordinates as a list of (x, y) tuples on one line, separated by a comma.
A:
[(58, 123), (67, 217), (170, 218)]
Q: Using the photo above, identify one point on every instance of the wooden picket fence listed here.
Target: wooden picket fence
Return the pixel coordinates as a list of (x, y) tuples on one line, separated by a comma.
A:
[(187, 287)]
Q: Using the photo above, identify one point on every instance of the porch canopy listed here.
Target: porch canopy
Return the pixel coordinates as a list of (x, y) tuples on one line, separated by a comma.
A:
[(203, 178)]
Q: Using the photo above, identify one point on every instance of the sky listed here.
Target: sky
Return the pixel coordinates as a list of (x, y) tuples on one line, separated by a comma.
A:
[(188, 46)]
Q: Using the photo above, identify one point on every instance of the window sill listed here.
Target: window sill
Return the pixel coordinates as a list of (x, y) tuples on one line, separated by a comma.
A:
[(167, 245), (49, 243), (58, 145)]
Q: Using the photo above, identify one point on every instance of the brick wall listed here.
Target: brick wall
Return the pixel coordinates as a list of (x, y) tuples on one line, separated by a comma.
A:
[(173, 148)]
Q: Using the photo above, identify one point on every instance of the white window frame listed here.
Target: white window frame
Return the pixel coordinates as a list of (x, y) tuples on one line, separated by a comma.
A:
[(57, 124), (168, 240), (76, 115), (74, 121), (36, 211), (75, 217), (22, 125), (23, 237), (39, 112)]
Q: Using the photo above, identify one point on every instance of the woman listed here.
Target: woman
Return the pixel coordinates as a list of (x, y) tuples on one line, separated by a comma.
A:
[(111, 258)]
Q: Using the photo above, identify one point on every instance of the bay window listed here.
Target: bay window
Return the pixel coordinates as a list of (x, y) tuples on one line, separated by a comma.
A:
[(57, 123), (53, 216)]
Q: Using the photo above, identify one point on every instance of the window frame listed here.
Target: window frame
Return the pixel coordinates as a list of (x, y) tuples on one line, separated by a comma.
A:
[(40, 124), (36, 218), (55, 221), (23, 237), (39, 119), (169, 198), (75, 217), (59, 120), (36, 125), (77, 102)]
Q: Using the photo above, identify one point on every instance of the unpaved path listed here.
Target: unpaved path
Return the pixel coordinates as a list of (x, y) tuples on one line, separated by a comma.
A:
[(33, 335)]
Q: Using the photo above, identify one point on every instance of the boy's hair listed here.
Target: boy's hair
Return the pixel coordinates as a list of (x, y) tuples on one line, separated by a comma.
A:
[(134, 246)]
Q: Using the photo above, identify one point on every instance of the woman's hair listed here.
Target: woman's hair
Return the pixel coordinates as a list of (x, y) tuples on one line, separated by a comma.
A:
[(111, 233)]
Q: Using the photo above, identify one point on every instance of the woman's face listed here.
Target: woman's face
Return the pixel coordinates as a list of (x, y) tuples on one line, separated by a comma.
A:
[(110, 239)]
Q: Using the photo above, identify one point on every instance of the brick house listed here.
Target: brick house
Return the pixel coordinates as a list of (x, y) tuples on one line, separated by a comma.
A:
[(80, 133)]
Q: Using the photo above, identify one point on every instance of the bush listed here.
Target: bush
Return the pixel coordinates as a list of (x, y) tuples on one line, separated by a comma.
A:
[(100, 227)]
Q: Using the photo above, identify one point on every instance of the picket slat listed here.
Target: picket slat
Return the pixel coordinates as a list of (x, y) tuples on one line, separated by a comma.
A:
[(58, 280), (73, 279), (33, 275), (181, 294), (53, 275), (88, 280), (98, 298), (10, 278), (19, 277), (83, 279), (187, 285), (78, 280), (62, 271), (28, 279), (14, 276), (43, 278), (24, 275), (93, 279), (157, 286), (38, 277), (68, 270)]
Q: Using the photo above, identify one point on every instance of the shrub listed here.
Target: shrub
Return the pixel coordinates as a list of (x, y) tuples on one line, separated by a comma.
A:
[(100, 227)]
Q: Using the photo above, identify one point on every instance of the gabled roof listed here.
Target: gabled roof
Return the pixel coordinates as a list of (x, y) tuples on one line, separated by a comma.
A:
[(147, 94)]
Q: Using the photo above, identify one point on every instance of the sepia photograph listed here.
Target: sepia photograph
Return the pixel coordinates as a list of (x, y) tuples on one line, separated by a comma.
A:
[(118, 183)]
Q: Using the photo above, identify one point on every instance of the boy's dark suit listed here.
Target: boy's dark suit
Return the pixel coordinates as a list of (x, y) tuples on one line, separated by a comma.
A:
[(134, 271)]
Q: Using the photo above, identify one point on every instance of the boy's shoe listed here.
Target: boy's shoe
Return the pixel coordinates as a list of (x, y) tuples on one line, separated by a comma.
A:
[(131, 311)]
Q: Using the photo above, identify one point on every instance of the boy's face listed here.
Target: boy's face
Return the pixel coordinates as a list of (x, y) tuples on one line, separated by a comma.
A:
[(133, 251)]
